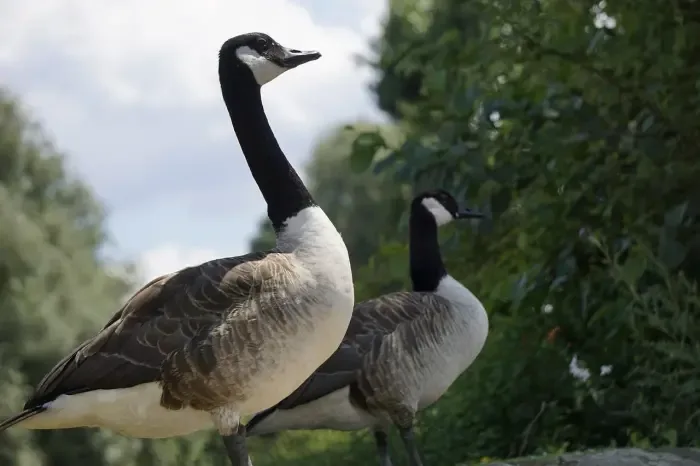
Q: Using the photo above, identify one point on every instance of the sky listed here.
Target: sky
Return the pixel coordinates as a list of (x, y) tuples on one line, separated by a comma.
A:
[(129, 91)]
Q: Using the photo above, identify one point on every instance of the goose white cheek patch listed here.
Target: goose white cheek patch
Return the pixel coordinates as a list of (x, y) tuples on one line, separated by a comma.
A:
[(442, 216), (263, 69)]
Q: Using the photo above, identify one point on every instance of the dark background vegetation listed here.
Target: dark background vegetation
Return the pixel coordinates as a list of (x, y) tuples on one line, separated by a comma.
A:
[(575, 125)]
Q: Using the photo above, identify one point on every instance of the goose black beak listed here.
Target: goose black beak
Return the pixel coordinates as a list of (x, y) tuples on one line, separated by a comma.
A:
[(292, 58), (468, 213)]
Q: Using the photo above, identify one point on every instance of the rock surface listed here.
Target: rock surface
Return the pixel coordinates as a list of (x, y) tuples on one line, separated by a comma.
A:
[(614, 457)]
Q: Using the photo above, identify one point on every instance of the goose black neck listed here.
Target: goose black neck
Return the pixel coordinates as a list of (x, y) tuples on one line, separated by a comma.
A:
[(427, 268), (279, 183)]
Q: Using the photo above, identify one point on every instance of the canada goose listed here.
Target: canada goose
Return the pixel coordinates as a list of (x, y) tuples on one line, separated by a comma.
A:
[(230, 337), (401, 352)]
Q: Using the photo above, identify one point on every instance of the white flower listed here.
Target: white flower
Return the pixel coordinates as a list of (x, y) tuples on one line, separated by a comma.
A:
[(605, 369), (547, 308), (579, 372)]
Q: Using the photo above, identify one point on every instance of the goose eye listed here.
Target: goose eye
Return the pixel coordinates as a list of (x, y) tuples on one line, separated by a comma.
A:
[(262, 45)]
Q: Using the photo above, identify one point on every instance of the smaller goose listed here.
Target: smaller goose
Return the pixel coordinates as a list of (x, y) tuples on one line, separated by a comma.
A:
[(401, 352)]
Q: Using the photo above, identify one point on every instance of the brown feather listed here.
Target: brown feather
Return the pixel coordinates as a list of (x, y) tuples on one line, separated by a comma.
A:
[(179, 330)]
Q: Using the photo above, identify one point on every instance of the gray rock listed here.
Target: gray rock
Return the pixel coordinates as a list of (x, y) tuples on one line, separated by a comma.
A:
[(614, 457)]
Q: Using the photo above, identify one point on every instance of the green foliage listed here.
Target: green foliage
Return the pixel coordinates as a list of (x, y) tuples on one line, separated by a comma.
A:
[(54, 288), (364, 149), (573, 125)]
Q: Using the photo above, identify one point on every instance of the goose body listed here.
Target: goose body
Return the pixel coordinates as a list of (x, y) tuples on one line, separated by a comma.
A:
[(402, 350), (190, 342), (205, 345)]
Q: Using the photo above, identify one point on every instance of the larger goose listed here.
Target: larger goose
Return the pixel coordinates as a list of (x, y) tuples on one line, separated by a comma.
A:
[(227, 338), (402, 350)]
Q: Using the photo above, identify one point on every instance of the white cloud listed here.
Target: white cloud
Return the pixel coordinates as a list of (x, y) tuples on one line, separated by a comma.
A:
[(129, 90), (372, 17), (164, 52), (171, 257)]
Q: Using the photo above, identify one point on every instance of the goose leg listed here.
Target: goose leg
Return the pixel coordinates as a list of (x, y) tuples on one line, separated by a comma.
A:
[(236, 447), (409, 442), (380, 438)]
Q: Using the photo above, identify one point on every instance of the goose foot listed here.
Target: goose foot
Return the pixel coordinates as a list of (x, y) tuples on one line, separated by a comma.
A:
[(380, 438), (409, 442), (236, 447)]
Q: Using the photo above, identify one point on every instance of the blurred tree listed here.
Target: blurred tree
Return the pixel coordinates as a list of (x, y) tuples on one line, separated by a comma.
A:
[(54, 288), (264, 238)]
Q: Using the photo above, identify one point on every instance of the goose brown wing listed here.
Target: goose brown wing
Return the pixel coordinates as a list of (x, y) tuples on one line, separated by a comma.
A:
[(384, 314), (393, 330), (167, 314), (374, 323)]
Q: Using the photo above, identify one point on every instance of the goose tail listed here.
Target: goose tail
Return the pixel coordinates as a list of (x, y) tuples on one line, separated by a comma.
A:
[(17, 418)]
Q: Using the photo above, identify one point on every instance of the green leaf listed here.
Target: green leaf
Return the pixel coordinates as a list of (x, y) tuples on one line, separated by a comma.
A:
[(364, 148), (386, 162), (500, 201), (634, 266), (674, 217), (671, 252), (671, 437)]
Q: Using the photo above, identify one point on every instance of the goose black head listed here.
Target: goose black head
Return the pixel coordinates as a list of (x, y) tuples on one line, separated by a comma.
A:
[(443, 207), (262, 56)]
